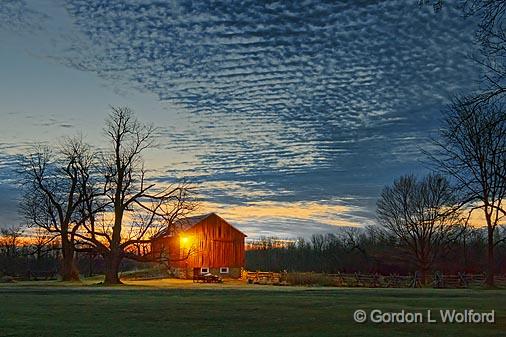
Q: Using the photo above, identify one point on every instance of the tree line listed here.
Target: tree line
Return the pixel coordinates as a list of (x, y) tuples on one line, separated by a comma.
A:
[(370, 250), (101, 201), (34, 254), (426, 220)]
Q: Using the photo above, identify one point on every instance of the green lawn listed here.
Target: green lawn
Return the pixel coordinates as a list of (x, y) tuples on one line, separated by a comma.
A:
[(50, 309)]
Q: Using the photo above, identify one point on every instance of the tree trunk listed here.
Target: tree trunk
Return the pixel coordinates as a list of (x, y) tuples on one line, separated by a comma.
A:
[(424, 268), (69, 271), (424, 275), (39, 255), (491, 261), (112, 262), (91, 261)]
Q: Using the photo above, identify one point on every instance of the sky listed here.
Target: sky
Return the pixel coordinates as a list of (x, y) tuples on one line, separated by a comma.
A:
[(289, 117)]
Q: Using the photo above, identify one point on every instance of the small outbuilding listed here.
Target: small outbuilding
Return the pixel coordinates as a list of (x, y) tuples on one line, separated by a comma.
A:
[(204, 244)]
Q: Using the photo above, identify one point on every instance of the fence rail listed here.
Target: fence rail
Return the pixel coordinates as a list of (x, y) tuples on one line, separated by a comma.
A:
[(261, 277), (437, 280)]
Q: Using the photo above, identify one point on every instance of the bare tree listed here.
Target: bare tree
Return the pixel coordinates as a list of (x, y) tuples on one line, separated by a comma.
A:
[(491, 40), (422, 215), (472, 150), (10, 240), (352, 238), (135, 209), (41, 241), (53, 182)]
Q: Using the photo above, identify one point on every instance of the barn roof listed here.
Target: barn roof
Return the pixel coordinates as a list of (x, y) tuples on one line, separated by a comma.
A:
[(188, 222)]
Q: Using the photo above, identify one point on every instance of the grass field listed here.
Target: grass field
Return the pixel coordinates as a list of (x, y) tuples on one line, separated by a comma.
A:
[(179, 308)]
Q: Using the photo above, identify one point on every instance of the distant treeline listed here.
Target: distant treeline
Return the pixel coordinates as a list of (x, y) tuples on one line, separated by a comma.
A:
[(26, 265), (368, 250), (39, 256), (348, 250)]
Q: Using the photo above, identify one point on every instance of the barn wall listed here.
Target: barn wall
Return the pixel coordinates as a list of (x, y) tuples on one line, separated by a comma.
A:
[(168, 246), (234, 272), (213, 242), (217, 244)]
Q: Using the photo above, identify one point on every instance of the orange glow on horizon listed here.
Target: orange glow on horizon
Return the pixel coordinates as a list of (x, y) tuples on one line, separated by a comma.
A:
[(321, 211)]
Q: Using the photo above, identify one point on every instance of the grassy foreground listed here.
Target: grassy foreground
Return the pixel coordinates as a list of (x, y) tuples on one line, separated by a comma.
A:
[(184, 309)]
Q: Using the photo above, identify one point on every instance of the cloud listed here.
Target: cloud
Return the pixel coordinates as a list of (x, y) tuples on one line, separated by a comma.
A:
[(17, 16), (9, 206), (286, 101), (9, 192), (286, 88), (289, 219)]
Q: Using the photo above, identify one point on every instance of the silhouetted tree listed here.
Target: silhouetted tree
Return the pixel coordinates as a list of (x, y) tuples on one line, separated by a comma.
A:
[(54, 181), (422, 215), (41, 240), (136, 208), (491, 40), (472, 150), (10, 240)]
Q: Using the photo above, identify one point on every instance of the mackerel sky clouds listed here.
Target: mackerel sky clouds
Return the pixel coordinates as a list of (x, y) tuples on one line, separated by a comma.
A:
[(290, 116)]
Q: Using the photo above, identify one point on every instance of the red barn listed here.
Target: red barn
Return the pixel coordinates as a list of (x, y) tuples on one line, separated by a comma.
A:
[(206, 242)]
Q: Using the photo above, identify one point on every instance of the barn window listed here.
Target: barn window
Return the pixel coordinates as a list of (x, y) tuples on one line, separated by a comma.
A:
[(204, 270), (224, 270)]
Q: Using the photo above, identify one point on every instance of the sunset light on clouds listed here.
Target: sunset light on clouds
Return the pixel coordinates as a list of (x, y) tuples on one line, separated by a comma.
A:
[(288, 118), (252, 168)]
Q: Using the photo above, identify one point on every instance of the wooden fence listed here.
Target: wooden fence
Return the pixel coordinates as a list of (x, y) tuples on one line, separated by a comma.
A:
[(261, 277), (438, 280)]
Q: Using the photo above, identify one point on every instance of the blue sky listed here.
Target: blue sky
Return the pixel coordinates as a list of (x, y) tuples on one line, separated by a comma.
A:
[(289, 116)]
